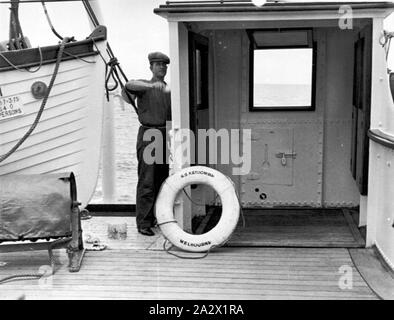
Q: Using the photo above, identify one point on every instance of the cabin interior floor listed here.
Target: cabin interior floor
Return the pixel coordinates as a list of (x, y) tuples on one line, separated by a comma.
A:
[(328, 228)]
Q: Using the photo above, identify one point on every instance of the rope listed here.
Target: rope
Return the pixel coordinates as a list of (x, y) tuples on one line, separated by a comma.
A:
[(99, 52), (174, 254), (238, 199), (197, 204), (50, 22), (78, 58), (112, 66), (34, 1), (240, 204), (90, 12), (21, 276), (209, 250), (24, 70), (163, 223), (36, 121), (33, 276), (184, 257), (385, 41)]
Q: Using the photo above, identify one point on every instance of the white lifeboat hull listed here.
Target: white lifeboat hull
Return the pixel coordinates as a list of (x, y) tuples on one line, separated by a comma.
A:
[(68, 136)]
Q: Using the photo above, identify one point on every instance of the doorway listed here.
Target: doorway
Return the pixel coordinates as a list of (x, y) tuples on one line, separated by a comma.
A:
[(361, 109), (199, 112), (198, 80)]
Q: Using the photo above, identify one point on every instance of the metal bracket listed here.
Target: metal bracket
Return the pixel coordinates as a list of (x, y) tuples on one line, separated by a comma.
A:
[(284, 156)]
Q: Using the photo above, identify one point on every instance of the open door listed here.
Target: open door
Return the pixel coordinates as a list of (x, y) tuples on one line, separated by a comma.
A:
[(198, 79), (199, 110), (361, 109)]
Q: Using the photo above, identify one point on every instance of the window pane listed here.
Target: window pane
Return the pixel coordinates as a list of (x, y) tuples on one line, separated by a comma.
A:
[(282, 78)]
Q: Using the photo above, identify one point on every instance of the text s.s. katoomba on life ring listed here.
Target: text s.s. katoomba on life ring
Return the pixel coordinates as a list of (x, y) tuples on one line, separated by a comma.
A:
[(165, 205)]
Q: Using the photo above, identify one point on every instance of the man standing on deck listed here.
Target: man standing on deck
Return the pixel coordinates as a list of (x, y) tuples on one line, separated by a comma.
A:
[(154, 109)]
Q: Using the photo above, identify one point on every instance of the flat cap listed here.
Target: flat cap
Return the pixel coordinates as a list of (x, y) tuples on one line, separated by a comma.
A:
[(158, 57)]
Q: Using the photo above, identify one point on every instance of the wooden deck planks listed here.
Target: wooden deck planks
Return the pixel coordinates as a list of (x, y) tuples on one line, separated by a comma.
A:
[(97, 228), (229, 273), (138, 268), (297, 228), (371, 267)]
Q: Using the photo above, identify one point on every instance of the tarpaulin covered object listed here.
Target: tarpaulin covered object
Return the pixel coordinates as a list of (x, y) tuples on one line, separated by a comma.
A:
[(36, 206)]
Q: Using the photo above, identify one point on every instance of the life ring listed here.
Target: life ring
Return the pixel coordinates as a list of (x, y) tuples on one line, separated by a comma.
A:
[(165, 205)]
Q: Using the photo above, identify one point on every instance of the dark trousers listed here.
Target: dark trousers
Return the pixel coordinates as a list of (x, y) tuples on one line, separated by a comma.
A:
[(150, 179)]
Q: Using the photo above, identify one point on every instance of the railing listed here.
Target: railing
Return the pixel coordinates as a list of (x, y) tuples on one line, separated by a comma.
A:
[(381, 138), (108, 152), (208, 2)]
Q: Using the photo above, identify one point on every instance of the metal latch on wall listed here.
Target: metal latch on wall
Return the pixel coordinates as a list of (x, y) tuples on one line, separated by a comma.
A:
[(284, 156)]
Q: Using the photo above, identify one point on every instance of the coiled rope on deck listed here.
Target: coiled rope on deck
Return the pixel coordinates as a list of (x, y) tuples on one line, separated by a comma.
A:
[(44, 102)]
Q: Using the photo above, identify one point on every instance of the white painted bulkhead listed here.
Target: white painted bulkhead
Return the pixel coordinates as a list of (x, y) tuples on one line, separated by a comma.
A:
[(68, 136), (380, 204)]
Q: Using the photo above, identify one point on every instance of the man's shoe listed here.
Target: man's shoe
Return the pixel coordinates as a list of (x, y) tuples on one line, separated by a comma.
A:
[(146, 231)]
